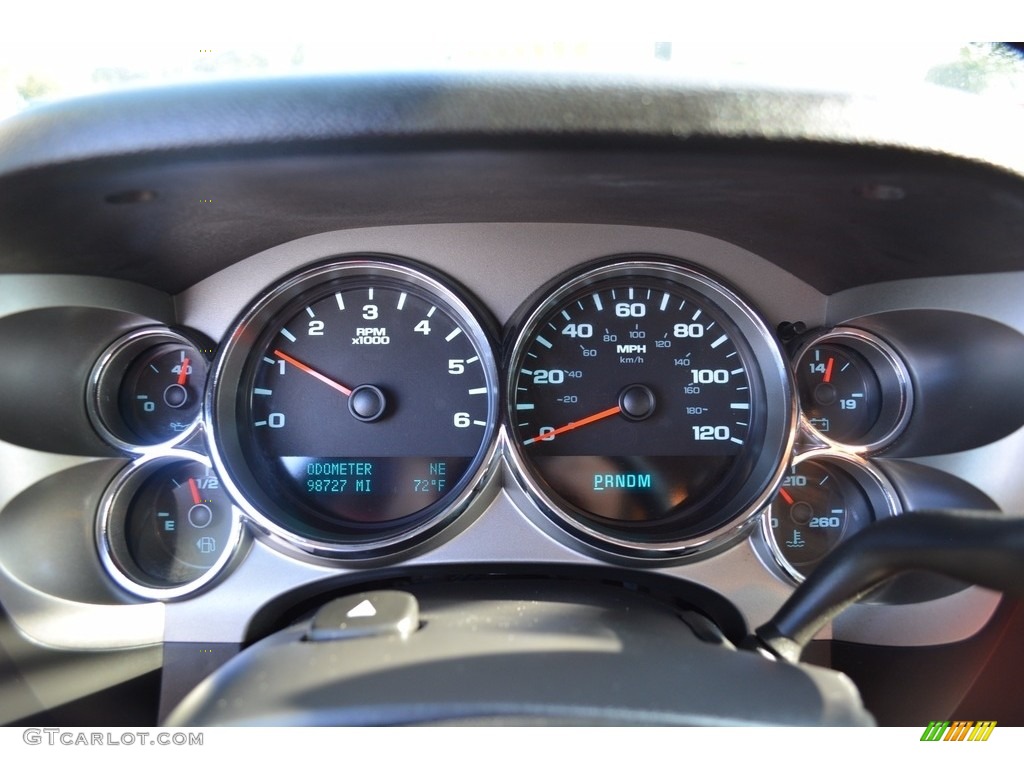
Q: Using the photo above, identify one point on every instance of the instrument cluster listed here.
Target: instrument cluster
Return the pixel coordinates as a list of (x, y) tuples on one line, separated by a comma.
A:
[(357, 408)]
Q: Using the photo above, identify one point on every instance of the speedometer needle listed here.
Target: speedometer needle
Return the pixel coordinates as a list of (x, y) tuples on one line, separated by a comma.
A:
[(574, 424), (315, 374)]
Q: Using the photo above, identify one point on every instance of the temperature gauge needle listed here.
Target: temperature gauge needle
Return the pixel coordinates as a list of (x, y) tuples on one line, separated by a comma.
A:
[(183, 373), (828, 371), (195, 490), (784, 494), (315, 374), (575, 424)]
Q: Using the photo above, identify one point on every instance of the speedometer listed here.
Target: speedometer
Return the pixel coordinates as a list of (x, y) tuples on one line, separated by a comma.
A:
[(354, 409), (650, 412)]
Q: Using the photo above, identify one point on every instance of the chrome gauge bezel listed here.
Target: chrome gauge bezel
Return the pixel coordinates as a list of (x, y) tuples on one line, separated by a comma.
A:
[(105, 381), (879, 490), (894, 379), (115, 506), (768, 466), (223, 393)]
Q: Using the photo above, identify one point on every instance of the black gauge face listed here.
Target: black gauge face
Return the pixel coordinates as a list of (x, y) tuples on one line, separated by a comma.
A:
[(146, 390), (178, 523), (166, 526), (638, 405), (854, 389), (365, 407), (813, 512), (839, 393), (162, 392)]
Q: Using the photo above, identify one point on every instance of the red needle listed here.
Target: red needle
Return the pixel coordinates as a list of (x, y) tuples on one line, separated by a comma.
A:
[(183, 372), (315, 374), (574, 424), (828, 371), (195, 490), (786, 496)]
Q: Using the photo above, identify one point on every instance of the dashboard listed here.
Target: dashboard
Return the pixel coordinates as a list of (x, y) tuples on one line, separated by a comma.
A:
[(321, 337)]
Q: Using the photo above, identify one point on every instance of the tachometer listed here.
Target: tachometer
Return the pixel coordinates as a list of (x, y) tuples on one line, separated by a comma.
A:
[(354, 408), (649, 409)]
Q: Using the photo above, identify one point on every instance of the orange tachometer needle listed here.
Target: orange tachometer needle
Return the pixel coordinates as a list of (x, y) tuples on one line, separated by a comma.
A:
[(315, 374), (183, 373), (574, 424), (195, 490), (786, 496), (828, 371)]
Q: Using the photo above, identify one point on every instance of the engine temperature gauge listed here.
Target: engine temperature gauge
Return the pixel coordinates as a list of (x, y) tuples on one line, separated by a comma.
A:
[(825, 499)]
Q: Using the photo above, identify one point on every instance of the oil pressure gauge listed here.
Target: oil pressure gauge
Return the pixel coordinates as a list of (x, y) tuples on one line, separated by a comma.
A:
[(146, 390)]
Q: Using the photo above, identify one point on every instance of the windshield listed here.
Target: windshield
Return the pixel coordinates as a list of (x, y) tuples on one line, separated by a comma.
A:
[(31, 73)]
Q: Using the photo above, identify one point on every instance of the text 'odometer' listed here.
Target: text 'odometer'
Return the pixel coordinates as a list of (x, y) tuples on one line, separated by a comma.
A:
[(367, 403)]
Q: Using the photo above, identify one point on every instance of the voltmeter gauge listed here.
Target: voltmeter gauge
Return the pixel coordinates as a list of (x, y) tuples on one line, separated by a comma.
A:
[(825, 499), (146, 390), (854, 389), (648, 410), (167, 526)]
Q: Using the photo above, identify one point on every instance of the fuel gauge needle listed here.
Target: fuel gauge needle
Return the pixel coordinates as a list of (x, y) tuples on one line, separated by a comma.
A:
[(195, 490), (575, 424), (315, 374)]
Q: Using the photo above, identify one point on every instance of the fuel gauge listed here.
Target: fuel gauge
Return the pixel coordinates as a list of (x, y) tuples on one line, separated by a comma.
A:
[(166, 526)]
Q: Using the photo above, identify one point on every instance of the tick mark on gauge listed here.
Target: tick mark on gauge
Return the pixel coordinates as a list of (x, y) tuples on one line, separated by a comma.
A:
[(597, 303), (695, 314), (480, 423), (309, 311), (524, 406), (544, 341), (340, 300), (431, 312), (259, 424), (471, 360), (740, 406), (736, 440), (287, 334), (719, 341), (263, 392), (478, 391), (664, 302), (453, 334), (565, 315), (401, 301)]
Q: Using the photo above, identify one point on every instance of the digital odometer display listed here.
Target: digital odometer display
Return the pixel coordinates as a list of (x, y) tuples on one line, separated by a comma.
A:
[(366, 403), (637, 404)]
